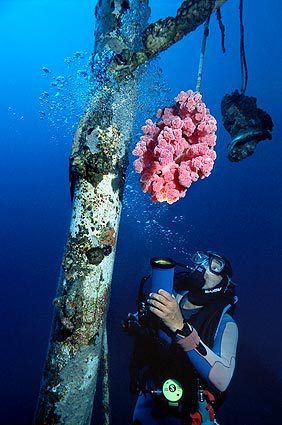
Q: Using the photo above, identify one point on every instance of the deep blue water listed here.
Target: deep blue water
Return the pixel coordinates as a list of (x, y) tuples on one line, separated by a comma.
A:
[(237, 210)]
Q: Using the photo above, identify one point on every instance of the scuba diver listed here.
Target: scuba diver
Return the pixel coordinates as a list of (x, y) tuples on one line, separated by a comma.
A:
[(185, 341)]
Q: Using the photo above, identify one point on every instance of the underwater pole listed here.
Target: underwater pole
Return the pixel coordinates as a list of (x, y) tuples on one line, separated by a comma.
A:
[(97, 168)]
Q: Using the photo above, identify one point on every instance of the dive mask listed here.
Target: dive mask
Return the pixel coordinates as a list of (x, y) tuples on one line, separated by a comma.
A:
[(209, 260)]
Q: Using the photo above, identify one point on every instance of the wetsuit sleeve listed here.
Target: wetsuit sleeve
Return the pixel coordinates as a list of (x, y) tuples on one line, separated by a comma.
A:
[(216, 366)]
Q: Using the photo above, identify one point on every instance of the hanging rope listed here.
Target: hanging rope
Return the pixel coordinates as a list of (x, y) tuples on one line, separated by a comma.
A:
[(202, 55), (222, 29), (243, 60)]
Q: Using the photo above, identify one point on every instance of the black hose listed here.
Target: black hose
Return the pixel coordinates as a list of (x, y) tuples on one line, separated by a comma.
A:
[(243, 59)]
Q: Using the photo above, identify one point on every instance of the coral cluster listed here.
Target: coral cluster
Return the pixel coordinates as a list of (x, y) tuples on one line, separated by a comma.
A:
[(177, 150)]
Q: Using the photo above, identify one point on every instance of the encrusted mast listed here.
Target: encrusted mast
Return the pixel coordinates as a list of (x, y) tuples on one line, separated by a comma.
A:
[(123, 41)]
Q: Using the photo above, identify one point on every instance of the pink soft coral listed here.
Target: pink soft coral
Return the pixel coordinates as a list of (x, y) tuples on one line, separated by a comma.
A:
[(177, 150)]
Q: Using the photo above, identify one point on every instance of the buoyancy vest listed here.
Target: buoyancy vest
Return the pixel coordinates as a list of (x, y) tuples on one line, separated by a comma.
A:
[(154, 360)]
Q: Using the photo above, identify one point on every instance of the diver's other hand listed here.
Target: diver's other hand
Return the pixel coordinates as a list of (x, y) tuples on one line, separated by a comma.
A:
[(131, 324), (165, 306)]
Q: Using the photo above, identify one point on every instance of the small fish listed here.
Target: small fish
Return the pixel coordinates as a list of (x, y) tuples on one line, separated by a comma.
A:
[(46, 70)]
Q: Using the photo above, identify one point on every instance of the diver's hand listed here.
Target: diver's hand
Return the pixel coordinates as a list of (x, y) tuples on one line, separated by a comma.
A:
[(165, 306)]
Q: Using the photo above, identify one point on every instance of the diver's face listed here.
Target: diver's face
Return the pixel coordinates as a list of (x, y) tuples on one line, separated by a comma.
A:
[(211, 279)]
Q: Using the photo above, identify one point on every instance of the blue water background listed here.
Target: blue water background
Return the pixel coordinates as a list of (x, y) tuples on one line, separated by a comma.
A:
[(237, 210)]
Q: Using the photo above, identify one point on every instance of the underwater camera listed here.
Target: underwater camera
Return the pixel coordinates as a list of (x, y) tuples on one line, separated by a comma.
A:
[(161, 277)]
